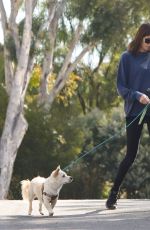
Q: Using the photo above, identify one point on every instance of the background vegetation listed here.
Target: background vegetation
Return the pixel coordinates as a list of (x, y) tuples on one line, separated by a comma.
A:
[(87, 111)]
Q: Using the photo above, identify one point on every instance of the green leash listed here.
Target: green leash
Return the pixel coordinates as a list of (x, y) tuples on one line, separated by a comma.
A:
[(141, 115)]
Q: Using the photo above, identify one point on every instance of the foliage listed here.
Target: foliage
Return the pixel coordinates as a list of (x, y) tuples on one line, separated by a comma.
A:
[(88, 110), (65, 95), (97, 169)]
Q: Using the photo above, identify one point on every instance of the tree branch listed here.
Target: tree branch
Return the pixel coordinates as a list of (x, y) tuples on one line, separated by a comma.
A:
[(34, 3), (25, 46), (55, 12), (63, 76), (78, 59), (8, 64), (3, 17), (71, 48), (13, 26)]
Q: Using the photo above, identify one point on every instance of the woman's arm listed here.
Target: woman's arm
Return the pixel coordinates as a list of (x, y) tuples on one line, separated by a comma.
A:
[(122, 87)]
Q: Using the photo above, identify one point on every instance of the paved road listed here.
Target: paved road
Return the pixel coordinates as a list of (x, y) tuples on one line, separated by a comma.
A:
[(77, 215)]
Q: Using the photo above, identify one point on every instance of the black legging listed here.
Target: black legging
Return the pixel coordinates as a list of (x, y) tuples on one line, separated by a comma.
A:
[(133, 136)]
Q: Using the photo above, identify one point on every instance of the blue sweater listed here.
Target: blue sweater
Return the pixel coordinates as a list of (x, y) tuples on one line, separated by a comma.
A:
[(133, 79)]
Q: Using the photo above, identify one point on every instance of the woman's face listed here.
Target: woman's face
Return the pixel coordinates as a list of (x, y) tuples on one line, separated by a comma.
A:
[(145, 46)]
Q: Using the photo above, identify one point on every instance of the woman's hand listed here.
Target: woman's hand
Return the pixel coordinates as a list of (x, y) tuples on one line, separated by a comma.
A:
[(144, 99)]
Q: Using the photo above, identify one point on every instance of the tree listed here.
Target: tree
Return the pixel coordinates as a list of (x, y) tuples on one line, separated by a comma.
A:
[(21, 43), (37, 37), (15, 125)]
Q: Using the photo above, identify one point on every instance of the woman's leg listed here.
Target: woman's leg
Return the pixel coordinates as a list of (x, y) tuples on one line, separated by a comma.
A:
[(133, 136)]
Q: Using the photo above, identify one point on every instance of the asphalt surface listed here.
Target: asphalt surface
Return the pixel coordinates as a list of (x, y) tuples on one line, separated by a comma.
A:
[(76, 215)]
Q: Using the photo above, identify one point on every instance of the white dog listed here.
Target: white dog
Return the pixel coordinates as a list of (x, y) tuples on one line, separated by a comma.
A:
[(45, 189)]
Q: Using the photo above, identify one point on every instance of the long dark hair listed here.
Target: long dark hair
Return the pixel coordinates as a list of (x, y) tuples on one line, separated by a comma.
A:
[(135, 44)]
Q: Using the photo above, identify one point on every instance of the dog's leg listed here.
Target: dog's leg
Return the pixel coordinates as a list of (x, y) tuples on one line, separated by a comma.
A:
[(31, 198), (40, 207), (30, 207), (48, 206), (40, 198), (53, 203)]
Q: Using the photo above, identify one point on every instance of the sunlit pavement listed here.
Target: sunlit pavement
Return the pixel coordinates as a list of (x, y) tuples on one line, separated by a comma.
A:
[(76, 215)]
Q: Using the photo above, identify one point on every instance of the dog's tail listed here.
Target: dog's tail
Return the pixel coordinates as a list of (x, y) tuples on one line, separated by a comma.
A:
[(25, 186)]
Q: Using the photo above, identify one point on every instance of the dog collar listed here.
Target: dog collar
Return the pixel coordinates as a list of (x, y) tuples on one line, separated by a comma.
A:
[(53, 197)]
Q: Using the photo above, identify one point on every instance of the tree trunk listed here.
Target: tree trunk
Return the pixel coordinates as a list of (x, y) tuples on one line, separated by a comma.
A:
[(14, 130), (13, 133), (15, 124)]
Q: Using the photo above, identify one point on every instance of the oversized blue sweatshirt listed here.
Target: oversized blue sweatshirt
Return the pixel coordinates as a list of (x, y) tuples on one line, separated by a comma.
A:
[(133, 80)]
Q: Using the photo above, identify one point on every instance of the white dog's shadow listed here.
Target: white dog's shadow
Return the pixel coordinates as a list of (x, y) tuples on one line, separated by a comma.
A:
[(64, 216), (27, 217), (80, 215)]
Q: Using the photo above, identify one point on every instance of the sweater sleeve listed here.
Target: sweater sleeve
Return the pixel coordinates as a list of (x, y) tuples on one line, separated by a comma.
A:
[(122, 87)]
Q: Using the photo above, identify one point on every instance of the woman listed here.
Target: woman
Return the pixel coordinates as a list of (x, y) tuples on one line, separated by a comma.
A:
[(133, 84)]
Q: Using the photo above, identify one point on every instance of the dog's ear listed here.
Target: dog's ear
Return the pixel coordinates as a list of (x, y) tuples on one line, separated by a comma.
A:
[(58, 167), (56, 171)]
